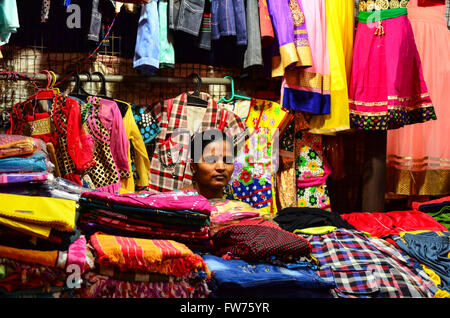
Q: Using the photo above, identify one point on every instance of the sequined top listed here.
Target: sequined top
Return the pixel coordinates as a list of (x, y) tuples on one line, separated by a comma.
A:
[(373, 5)]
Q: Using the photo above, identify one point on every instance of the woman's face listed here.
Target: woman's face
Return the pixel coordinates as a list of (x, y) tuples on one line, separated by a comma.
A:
[(215, 166)]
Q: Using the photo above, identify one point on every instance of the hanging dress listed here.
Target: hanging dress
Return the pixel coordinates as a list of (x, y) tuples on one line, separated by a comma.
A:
[(308, 89), (340, 29), (387, 89), (418, 156), (255, 166)]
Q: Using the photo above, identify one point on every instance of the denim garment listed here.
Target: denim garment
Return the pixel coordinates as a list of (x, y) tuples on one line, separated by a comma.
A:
[(430, 249), (204, 39), (147, 49), (190, 16), (172, 14), (228, 19), (270, 280), (253, 54)]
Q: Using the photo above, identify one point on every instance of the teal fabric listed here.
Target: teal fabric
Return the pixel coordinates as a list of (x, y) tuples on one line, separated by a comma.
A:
[(167, 51), (9, 20)]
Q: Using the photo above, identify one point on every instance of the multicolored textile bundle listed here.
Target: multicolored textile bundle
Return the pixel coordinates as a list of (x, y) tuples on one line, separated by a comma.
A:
[(143, 268), (158, 256), (179, 216)]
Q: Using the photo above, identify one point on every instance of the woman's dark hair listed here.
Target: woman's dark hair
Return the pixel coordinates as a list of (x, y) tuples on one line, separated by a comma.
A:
[(202, 139)]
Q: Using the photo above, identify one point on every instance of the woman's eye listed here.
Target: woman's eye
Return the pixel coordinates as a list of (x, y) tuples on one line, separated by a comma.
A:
[(211, 159)]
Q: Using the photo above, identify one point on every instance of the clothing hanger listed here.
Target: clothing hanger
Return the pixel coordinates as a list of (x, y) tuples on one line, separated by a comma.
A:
[(195, 99), (123, 107), (55, 89), (78, 90), (233, 93), (102, 92)]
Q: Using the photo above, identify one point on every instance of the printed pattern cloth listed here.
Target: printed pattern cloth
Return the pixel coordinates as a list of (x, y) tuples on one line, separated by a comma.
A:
[(254, 240), (100, 286), (368, 267), (255, 166), (148, 126), (311, 172), (170, 169), (160, 256), (10, 178)]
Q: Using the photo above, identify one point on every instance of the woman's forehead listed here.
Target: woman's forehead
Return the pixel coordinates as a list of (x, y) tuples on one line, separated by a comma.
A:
[(218, 147)]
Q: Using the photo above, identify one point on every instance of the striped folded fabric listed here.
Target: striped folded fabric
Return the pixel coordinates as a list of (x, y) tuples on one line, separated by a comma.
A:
[(158, 256)]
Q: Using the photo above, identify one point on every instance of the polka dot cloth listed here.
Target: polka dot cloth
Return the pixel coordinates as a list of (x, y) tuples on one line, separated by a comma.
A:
[(148, 126)]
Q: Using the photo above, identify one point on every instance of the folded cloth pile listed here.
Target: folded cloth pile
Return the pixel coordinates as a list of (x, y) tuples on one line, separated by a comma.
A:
[(439, 209), (180, 216), (41, 271), (22, 154), (227, 212), (237, 278), (144, 268)]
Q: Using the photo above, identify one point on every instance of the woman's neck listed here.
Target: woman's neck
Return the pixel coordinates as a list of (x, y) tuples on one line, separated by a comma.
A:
[(208, 192)]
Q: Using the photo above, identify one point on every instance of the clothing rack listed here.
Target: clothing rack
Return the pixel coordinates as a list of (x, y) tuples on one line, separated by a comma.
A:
[(128, 78)]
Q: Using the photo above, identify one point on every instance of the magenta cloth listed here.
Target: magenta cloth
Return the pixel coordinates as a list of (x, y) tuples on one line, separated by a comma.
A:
[(76, 254), (387, 89), (112, 120), (315, 181), (168, 201)]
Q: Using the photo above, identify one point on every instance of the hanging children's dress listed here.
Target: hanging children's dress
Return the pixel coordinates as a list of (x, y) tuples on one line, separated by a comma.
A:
[(255, 166), (387, 89)]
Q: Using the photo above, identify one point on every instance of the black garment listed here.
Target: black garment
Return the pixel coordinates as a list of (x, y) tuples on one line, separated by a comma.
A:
[(291, 219)]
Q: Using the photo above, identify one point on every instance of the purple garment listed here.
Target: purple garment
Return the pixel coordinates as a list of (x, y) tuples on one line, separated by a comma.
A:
[(170, 201), (289, 26), (8, 178)]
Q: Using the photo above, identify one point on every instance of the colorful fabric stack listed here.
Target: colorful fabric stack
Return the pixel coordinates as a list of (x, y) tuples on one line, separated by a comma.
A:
[(227, 212), (39, 247), (22, 159), (145, 268), (180, 216)]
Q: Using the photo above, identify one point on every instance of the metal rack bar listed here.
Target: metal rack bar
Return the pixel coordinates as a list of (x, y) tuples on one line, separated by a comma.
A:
[(129, 78)]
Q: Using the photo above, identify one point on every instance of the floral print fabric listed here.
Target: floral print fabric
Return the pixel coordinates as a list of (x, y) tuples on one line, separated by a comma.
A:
[(253, 179), (311, 171)]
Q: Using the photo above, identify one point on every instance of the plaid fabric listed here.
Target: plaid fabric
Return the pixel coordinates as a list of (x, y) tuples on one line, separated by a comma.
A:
[(169, 168), (256, 240), (158, 256), (368, 267)]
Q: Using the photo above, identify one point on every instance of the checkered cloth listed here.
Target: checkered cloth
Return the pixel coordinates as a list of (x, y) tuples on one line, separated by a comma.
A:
[(257, 239), (170, 169), (368, 267)]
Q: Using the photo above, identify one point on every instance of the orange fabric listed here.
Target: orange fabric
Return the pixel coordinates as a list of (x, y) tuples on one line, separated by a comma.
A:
[(160, 256), (46, 258)]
